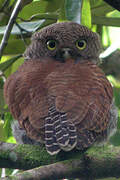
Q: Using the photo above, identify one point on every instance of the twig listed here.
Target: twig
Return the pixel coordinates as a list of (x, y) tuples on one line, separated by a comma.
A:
[(21, 33), (9, 26), (21, 28)]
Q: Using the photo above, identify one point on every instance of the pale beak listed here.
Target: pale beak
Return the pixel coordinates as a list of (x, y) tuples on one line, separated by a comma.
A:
[(66, 53)]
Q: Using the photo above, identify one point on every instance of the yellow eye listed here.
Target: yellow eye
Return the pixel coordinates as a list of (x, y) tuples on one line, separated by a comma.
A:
[(51, 45), (81, 44)]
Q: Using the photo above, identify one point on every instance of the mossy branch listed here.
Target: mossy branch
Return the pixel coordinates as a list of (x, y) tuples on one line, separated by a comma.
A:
[(18, 156), (99, 162)]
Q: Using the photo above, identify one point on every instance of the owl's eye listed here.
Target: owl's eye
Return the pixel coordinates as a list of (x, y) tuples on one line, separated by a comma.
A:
[(81, 44), (51, 45)]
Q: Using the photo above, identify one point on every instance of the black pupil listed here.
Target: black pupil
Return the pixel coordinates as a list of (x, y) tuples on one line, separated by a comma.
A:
[(80, 43), (52, 44)]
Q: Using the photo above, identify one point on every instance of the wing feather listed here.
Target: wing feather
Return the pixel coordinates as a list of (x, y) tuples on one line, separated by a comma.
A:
[(65, 107)]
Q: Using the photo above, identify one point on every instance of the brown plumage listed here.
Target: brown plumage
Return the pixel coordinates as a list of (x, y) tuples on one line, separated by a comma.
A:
[(60, 96)]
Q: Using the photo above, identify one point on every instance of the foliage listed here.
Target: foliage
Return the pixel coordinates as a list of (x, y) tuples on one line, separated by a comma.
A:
[(36, 14)]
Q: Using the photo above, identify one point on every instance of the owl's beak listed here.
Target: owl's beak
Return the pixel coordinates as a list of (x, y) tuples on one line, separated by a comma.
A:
[(66, 53)]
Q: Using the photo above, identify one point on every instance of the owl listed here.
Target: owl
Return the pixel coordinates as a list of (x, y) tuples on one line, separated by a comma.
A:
[(59, 96)]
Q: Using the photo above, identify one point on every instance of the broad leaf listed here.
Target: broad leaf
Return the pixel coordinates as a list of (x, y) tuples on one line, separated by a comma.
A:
[(25, 26), (8, 63), (86, 13)]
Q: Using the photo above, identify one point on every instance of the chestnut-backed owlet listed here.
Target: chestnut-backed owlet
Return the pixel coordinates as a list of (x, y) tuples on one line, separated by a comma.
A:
[(59, 96)]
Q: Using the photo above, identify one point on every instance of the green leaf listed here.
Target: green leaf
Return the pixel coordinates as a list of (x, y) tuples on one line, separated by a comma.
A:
[(2, 131), (115, 139), (73, 10), (114, 81), (7, 125), (27, 26), (100, 8), (106, 21), (2, 103), (1, 83), (8, 63), (42, 6), (11, 139), (62, 13), (116, 96), (86, 13), (36, 0)]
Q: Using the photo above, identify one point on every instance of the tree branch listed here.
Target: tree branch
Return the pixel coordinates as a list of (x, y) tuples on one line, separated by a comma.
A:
[(96, 163), (18, 156), (51, 172)]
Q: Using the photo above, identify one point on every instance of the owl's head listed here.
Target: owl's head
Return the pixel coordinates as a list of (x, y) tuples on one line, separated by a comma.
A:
[(64, 40)]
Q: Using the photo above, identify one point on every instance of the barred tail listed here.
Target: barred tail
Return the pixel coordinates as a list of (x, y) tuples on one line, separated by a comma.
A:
[(59, 133), (85, 139)]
